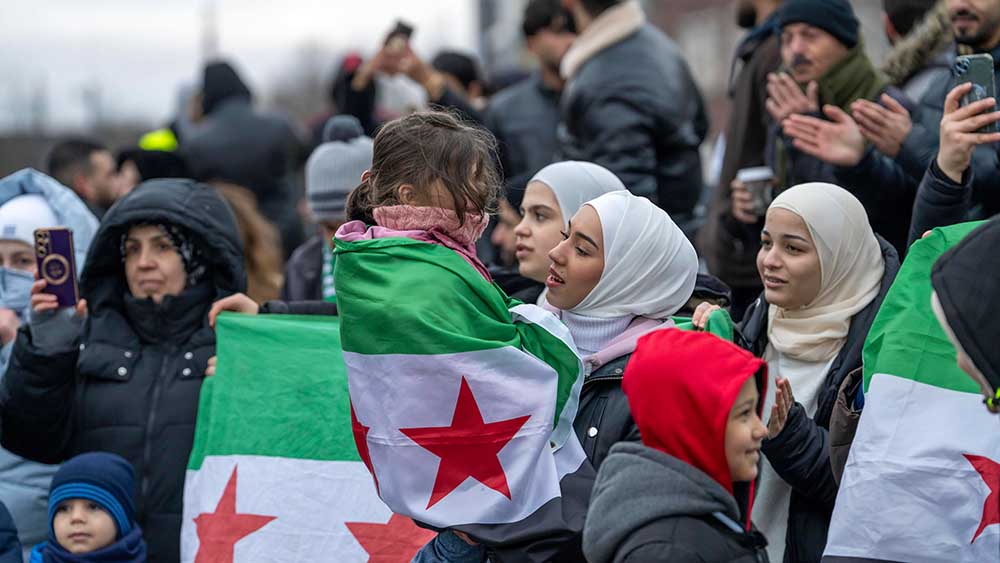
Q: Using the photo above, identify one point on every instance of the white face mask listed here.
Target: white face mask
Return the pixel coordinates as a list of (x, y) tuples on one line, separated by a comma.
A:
[(15, 290)]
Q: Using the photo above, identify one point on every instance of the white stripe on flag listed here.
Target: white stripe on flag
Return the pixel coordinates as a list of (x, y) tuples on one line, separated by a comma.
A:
[(908, 493), (506, 384), (310, 500), (536, 315)]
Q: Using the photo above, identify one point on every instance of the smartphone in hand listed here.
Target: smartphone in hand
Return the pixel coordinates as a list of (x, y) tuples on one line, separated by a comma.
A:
[(977, 69), (57, 264)]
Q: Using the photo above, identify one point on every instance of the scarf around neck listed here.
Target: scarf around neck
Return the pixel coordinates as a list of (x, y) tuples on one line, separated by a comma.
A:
[(851, 79), (851, 272), (129, 549)]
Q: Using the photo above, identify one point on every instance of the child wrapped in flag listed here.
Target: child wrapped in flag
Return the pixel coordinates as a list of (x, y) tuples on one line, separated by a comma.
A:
[(463, 400)]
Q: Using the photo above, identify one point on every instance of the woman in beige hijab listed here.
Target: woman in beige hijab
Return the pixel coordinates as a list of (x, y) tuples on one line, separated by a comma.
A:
[(825, 273)]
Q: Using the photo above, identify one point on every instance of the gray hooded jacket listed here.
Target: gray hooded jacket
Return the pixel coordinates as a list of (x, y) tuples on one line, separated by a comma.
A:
[(649, 506)]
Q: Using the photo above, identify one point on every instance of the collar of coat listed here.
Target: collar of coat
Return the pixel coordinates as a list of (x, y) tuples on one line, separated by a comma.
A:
[(918, 49), (611, 27)]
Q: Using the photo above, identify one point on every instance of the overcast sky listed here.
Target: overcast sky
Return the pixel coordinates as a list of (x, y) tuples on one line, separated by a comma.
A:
[(140, 51)]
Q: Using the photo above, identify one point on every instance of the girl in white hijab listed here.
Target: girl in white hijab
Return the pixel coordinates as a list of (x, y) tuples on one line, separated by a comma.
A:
[(824, 273), (551, 198), (623, 269)]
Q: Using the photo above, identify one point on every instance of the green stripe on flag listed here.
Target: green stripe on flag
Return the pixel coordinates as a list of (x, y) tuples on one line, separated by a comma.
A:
[(719, 323), (439, 305), (280, 390), (906, 339), (442, 304)]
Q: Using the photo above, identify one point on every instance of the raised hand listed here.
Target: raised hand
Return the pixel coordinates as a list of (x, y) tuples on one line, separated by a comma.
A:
[(886, 126), (783, 401), (236, 303), (702, 314), (958, 131), (785, 98), (46, 302), (838, 142)]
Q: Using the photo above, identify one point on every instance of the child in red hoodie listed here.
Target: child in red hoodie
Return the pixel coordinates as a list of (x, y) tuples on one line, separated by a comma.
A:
[(685, 493)]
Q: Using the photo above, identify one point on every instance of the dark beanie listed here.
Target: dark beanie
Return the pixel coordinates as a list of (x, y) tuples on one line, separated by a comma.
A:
[(220, 82), (104, 478), (836, 17)]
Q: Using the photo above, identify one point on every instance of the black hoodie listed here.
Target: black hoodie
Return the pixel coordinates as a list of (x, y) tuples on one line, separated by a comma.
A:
[(129, 381)]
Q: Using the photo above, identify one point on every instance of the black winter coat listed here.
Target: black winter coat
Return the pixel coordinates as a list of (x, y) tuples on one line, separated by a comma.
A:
[(937, 203), (940, 202), (524, 117), (729, 246), (634, 108), (304, 272), (129, 381), (604, 418), (801, 453), (259, 152)]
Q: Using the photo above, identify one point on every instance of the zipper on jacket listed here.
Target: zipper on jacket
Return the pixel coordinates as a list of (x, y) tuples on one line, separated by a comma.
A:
[(599, 379), (147, 447)]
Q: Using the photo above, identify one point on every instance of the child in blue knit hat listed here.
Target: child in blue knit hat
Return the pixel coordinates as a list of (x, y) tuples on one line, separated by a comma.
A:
[(92, 514)]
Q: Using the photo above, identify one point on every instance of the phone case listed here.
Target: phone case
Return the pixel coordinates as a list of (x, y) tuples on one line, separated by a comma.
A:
[(977, 69), (56, 264)]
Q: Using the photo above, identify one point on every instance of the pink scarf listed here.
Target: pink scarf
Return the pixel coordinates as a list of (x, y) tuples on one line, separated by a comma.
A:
[(426, 224)]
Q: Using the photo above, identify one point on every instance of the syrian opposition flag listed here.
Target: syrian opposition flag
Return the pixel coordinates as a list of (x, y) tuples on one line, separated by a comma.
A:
[(464, 401), (922, 482), (274, 475)]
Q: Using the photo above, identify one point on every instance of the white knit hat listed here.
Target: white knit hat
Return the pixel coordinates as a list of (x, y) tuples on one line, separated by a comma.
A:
[(20, 216), (335, 167)]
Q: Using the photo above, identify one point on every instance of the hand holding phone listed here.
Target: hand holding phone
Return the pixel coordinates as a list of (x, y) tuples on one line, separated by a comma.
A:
[(57, 264), (959, 134), (977, 70)]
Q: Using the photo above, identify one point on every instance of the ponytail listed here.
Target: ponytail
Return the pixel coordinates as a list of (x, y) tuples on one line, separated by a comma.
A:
[(359, 204)]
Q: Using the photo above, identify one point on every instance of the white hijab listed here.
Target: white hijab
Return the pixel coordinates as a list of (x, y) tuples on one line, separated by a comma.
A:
[(851, 268), (650, 268), (574, 183)]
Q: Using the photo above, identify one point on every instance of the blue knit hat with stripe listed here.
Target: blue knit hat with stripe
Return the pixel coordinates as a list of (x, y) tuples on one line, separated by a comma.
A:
[(104, 478)]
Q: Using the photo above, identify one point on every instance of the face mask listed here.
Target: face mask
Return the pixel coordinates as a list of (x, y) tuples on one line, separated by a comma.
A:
[(15, 290)]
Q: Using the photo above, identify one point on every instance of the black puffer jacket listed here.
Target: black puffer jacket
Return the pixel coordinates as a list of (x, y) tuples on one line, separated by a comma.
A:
[(129, 381), (635, 109), (604, 418), (801, 453)]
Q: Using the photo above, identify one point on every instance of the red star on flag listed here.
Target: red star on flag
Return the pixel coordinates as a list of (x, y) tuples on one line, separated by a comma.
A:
[(989, 470), (219, 531), (396, 541), (467, 448), (361, 442)]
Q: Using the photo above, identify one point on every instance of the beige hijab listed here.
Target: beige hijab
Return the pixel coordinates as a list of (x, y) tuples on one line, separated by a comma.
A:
[(851, 267)]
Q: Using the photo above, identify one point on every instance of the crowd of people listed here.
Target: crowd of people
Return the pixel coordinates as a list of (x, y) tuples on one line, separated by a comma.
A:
[(575, 189)]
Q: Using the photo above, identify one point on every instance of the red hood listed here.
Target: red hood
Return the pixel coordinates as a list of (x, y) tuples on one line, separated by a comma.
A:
[(681, 386)]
